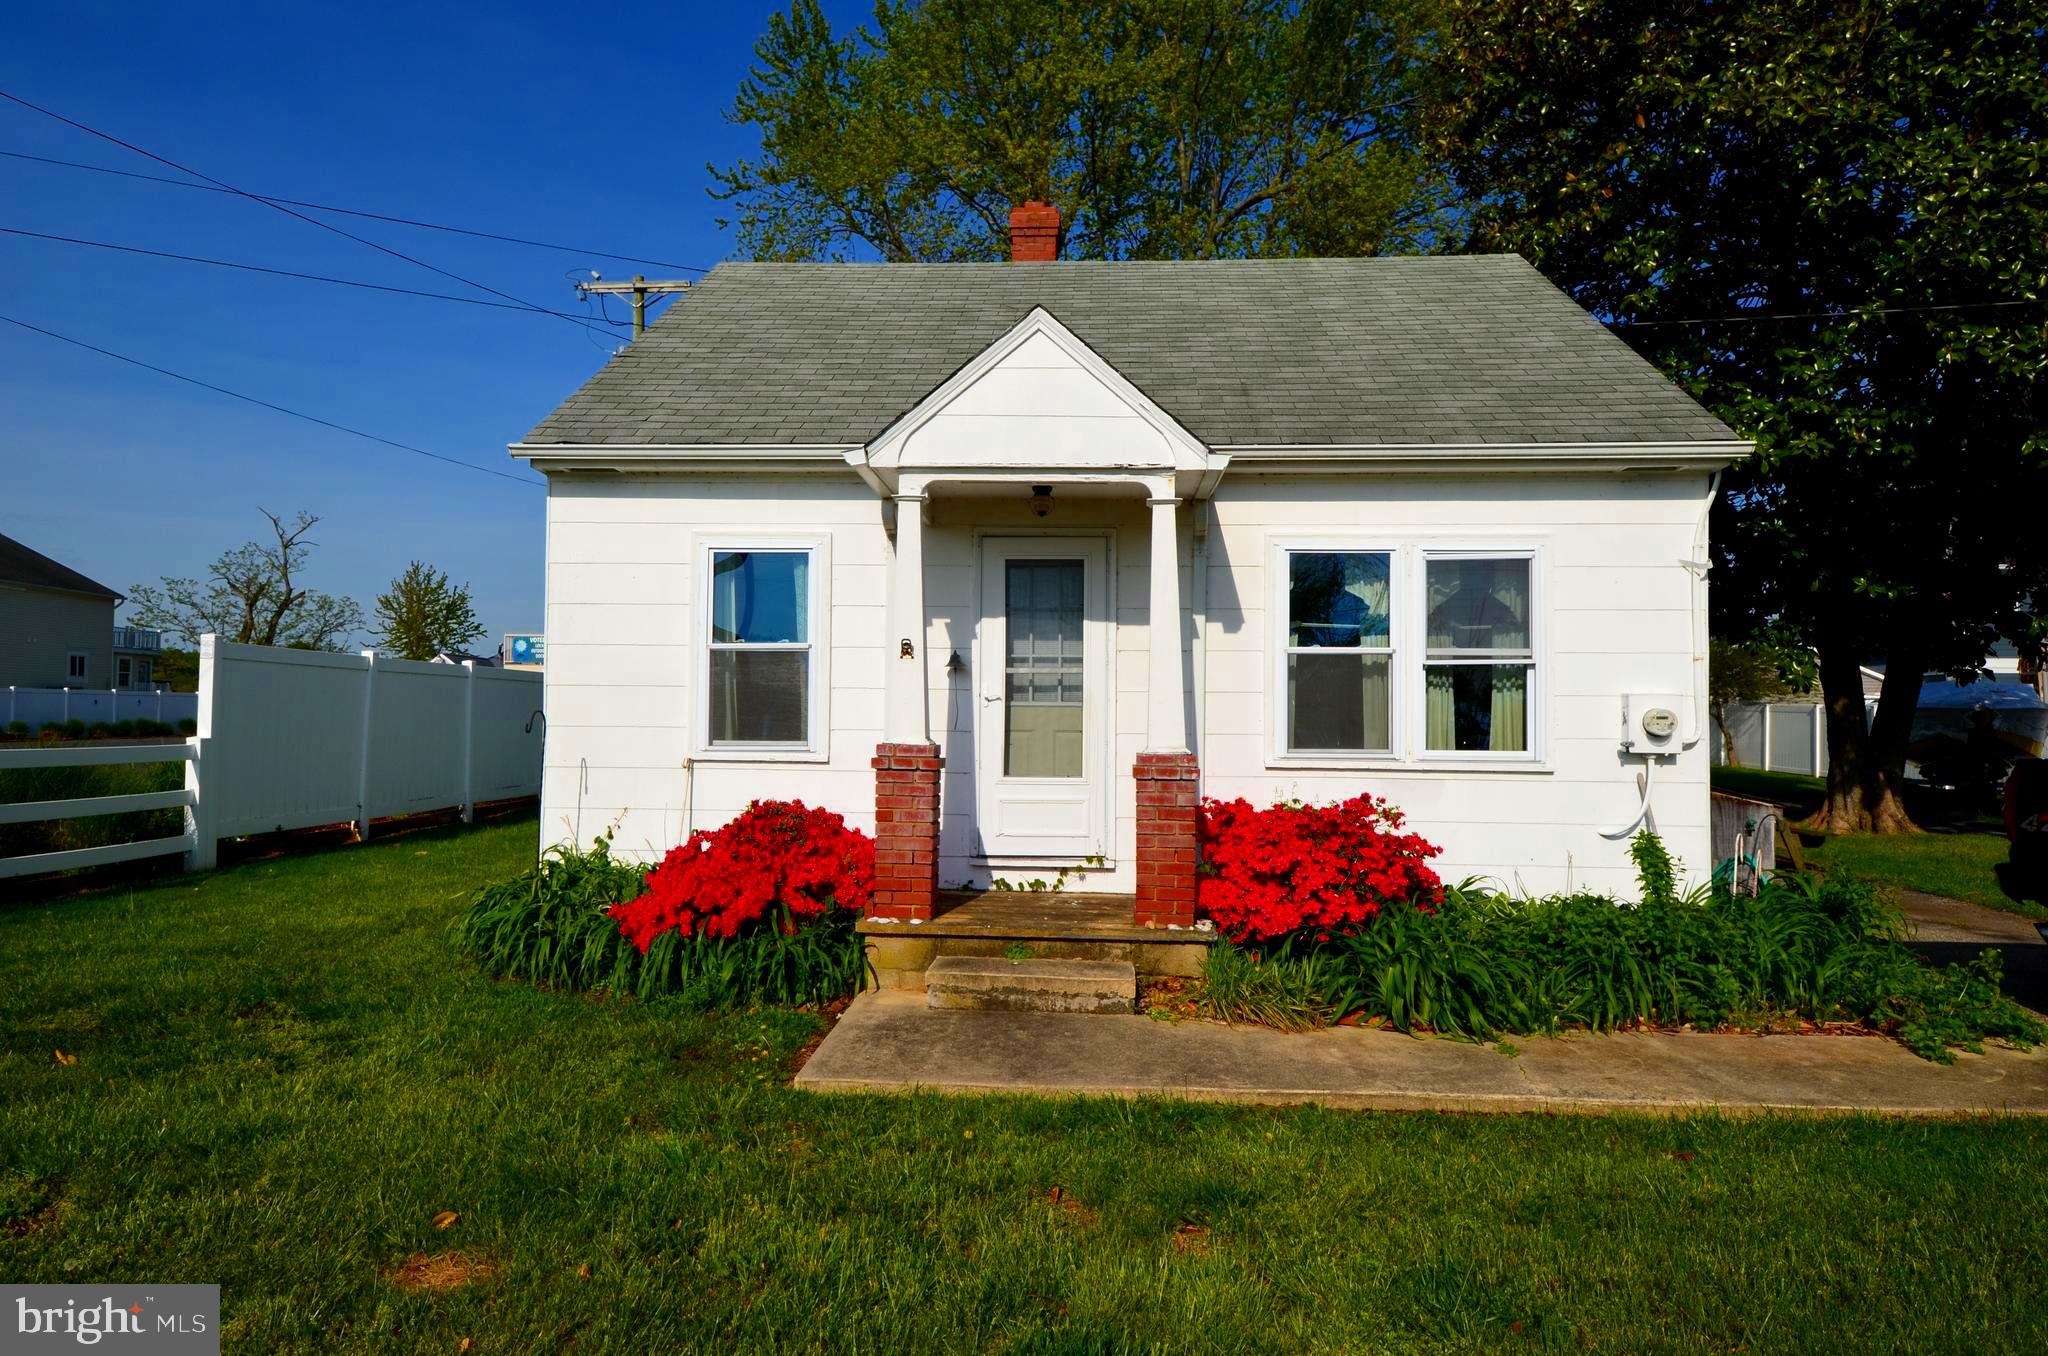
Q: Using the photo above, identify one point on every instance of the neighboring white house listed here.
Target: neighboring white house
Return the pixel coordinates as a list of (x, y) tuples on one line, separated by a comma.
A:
[(1423, 528)]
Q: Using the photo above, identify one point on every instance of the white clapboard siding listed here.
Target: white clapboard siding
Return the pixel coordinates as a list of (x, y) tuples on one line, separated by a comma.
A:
[(622, 664), (1614, 617)]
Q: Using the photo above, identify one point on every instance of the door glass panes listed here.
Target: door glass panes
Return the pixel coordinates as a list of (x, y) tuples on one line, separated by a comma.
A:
[(1042, 710)]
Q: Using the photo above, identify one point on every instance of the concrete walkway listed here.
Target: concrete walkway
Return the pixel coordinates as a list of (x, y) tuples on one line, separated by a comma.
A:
[(1950, 930), (890, 1041), (1936, 918)]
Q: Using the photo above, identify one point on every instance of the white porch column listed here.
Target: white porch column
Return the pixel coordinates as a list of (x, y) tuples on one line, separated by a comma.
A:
[(1167, 724), (905, 718)]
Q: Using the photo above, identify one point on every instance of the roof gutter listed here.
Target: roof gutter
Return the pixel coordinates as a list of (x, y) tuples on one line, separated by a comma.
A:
[(1622, 456), (571, 458)]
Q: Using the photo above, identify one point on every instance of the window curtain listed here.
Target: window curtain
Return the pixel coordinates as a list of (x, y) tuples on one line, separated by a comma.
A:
[(1370, 586), (1373, 695), (1441, 713), (1509, 727)]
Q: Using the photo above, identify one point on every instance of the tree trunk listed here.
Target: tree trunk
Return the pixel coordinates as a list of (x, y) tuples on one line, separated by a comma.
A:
[(1866, 758), (1719, 715)]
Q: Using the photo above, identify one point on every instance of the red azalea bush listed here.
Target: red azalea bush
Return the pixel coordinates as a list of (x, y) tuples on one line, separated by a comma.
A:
[(777, 857), (1322, 869)]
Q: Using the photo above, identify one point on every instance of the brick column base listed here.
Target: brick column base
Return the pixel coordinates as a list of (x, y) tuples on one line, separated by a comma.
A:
[(906, 829), (1166, 838)]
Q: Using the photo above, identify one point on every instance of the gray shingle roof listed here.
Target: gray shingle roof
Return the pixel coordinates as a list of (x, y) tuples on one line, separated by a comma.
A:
[(32, 569), (1458, 349)]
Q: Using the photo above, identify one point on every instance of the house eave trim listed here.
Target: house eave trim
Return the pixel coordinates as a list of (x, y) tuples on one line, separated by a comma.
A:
[(1637, 456), (700, 458)]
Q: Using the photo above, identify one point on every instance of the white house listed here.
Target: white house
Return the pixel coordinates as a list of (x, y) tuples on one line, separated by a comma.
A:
[(897, 540)]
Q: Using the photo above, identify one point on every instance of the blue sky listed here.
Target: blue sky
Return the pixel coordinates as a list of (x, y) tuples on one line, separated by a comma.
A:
[(586, 126)]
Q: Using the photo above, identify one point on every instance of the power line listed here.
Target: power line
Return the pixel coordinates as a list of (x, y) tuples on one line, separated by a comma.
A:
[(356, 212), (289, 273), (1749, 317), (278, 207), (268, 405)]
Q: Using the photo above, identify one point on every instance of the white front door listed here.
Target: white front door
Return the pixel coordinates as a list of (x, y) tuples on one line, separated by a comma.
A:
[(1042, 737)]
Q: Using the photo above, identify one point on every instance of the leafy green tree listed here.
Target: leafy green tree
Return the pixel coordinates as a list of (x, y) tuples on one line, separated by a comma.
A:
[(177, 669), (1173, 129), (1830, 222), (252, 595), (422, 614)]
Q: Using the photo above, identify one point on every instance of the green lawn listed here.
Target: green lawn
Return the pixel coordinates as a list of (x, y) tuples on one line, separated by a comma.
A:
[(283, 1073), (1958, 858), (1957, 865)]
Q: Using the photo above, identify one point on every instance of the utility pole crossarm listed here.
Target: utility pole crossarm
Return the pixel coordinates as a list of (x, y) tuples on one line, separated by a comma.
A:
[(638, 289)]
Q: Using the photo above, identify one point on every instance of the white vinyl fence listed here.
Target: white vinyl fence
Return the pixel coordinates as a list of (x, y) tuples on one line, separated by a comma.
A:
[(1777, 737), (290, 739), (40, 706)]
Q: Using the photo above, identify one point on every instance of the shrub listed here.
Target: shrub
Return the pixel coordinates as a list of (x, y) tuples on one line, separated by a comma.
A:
[(1279, 989), (124, 728), (188, 727), (17, 729), (99, 729), (73, 729), (551, 925), (777, 862), (1479, 964), (1320, 870), (581, 920)]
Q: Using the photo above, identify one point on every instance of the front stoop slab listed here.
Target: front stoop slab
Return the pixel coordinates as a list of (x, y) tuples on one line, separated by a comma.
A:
[(1041, 984)]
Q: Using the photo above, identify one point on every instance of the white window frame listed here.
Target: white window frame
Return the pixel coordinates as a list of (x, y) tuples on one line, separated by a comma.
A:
[(124, 681), (1538, 660), (1278, 724), (1408, 555), (77, 666), (816, 747)]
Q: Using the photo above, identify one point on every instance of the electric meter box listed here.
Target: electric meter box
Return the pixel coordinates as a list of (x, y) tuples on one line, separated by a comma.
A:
[(1651, 723)]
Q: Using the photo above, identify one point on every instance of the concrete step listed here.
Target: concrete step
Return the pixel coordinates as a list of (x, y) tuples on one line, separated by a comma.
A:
[(995, 984), (1051, 948)]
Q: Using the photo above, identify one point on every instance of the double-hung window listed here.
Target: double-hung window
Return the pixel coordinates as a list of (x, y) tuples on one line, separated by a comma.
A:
[(762, 685), (1404, 653), (1479, 661), (1339, 652)]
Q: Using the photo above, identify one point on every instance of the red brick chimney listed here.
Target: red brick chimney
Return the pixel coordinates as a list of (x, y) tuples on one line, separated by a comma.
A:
[(1034, 233)]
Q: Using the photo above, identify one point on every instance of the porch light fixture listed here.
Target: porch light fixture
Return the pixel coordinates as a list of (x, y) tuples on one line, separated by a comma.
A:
[(1041, 499)]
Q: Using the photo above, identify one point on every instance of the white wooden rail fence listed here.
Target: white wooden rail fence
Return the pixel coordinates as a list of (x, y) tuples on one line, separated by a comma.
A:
[(289, 739)]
